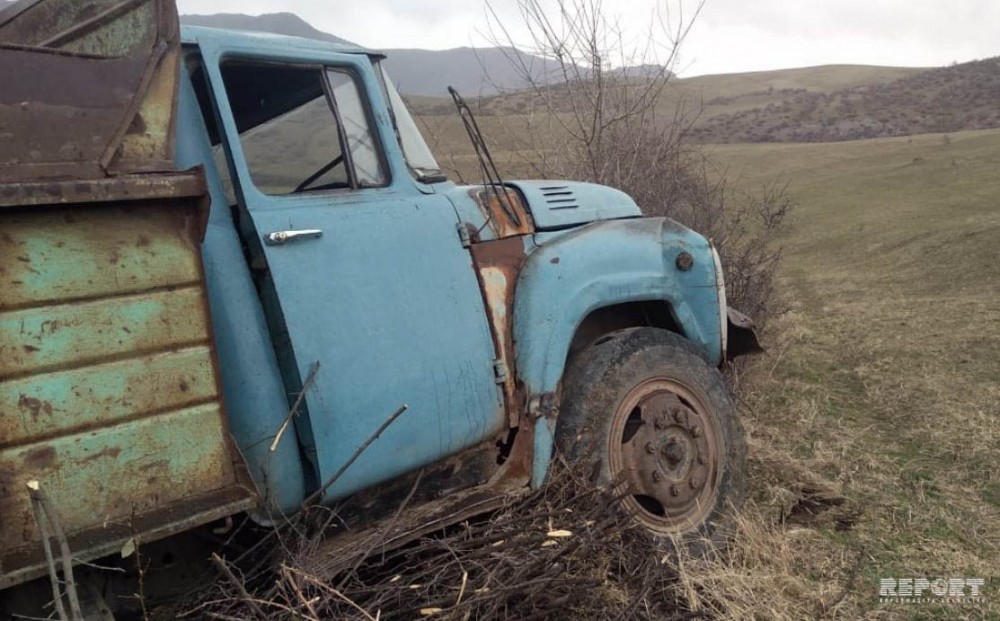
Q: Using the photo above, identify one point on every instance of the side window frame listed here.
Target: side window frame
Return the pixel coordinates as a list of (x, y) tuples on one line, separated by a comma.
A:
[(345, 148), (235, 153), (370, 120)]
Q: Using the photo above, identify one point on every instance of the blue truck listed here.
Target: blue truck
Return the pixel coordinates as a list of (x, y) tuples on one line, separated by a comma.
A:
[(237, 282)]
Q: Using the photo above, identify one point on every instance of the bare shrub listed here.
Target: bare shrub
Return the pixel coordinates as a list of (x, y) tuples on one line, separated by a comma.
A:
[(608, 124)]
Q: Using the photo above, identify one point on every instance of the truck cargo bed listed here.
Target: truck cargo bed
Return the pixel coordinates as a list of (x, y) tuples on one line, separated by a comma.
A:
[(109, 387)]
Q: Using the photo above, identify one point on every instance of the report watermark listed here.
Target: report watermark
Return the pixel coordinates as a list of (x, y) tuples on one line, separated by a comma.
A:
[(924, 590)]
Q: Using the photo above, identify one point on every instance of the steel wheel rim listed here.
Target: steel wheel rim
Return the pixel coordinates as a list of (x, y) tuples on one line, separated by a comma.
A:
[(665, 450)]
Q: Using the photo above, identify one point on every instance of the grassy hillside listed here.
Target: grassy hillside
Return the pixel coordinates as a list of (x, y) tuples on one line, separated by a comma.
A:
[(821, 79), (948, 99), (518, 127), (730, 93), (874, 422)]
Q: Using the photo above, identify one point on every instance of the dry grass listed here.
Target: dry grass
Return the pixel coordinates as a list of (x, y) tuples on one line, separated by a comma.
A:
[(872, 421), (884, 388)]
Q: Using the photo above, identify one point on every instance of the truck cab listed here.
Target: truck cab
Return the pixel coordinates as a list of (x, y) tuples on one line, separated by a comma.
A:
[(372, 281)]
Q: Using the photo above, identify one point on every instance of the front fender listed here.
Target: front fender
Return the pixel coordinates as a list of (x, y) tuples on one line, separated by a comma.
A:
[(602, 264)]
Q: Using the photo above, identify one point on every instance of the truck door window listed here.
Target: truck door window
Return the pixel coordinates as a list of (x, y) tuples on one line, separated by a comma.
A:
[(361, 144), (292, 136)]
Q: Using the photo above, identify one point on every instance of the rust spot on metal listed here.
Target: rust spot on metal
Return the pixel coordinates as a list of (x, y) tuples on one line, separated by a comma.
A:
[(158, 464), (184, 386), (29, 348), (111, 451), (499, 209), (34, 406), (516, 469), (40, 458), (554, 261), (498, 265)]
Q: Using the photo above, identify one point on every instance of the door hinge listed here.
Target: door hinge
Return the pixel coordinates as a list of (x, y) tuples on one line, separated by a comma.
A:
[(500, 371)]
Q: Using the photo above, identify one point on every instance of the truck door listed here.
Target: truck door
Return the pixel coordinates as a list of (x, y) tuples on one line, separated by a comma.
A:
[(373, 300)]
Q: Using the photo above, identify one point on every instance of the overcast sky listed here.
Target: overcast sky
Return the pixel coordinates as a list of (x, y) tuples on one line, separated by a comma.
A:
[(728, 36)]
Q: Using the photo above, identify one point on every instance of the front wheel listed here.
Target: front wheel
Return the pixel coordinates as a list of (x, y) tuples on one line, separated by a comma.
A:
[(643, 410)]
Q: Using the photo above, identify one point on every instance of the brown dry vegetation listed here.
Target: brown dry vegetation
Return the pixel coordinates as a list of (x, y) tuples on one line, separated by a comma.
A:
[(872, 425), (948, 99), (883, 388), (817, 104), (873, 418)]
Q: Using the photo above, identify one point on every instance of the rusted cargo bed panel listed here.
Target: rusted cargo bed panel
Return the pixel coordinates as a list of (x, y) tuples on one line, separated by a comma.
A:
[(87, 89), (109, 389)]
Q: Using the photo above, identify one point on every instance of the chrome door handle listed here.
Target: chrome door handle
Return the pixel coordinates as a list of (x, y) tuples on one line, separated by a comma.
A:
[(280, 237)]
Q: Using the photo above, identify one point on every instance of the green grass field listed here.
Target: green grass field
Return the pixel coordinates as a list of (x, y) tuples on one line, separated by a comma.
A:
[(883, 387)]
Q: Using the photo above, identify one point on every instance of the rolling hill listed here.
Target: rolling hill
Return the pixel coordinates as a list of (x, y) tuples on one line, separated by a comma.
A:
[(947, 99)]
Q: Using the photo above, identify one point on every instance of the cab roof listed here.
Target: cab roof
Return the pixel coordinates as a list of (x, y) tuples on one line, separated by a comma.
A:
[(192, 35)]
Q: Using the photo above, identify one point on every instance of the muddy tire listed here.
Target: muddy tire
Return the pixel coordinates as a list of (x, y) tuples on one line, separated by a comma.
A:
[(644, 411)]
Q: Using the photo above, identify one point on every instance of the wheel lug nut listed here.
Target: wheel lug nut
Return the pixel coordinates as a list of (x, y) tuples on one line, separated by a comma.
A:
[(650, 448), (677, 415), (660, 423), (674, 491), (695, 432), (657, 476), (693, 483)]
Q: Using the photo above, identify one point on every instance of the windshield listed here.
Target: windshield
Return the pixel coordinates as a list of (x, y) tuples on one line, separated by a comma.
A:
[(418, 155)]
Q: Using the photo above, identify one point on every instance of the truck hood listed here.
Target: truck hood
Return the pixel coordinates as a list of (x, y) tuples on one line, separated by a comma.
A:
[(561, 204)]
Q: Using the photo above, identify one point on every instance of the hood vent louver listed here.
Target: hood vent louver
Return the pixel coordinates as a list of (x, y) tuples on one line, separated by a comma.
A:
[(559, 197), (557, 205)]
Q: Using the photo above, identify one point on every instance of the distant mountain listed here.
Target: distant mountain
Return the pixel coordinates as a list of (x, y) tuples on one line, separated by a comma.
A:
[(473, 71), (947, 99), (276, 23)]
